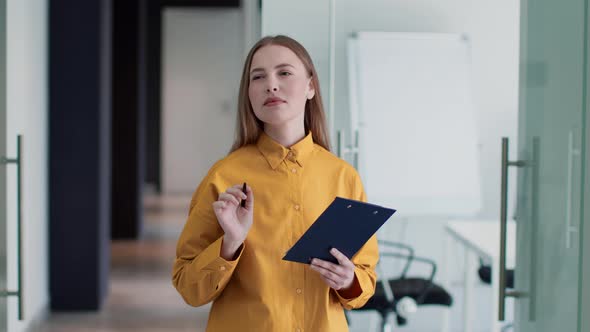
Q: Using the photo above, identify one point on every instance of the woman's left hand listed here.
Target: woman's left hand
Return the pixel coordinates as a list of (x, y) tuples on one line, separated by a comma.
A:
[(338, 276)]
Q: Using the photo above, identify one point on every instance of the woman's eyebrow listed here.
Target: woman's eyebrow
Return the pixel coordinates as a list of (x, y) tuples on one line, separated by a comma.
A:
[(277, 66)]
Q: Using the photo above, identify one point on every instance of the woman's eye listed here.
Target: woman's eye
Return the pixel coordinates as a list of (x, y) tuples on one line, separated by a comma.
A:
[(255, 77), (285, 73)]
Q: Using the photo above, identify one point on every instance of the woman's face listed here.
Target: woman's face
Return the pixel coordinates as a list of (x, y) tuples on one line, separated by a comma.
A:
[(279, 86)]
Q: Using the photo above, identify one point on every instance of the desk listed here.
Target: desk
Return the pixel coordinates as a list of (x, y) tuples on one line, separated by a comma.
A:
[(479, 238)]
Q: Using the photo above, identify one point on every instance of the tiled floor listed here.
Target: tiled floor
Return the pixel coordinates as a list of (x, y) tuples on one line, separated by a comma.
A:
[(141, 296)]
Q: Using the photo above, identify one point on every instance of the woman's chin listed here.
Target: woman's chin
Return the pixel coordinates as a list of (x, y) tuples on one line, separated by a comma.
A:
[(276, 118), (273, 117), (274, 121)]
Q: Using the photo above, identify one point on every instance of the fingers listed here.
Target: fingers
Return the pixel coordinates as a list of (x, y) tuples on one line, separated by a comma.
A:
[(331, 278), (237, 193), (337, 276), (250, 198), (228, 198), (326, 272), (328, 268), (218, 206), (236, 190), (331, 283), (234, 195), (342, 259)]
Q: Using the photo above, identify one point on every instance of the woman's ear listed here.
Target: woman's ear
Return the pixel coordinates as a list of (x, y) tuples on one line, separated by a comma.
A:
[(311, 92)]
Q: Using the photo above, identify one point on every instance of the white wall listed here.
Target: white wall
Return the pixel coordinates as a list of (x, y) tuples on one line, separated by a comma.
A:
[(203, 54), (252, 24), (27, 115), (493, 29), (308, 22)]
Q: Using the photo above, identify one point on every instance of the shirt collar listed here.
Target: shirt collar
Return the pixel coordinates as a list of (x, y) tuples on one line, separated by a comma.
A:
[(275, 153)]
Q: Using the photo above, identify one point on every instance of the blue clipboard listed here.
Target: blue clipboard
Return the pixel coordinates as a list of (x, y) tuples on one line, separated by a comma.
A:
[(345, 225)]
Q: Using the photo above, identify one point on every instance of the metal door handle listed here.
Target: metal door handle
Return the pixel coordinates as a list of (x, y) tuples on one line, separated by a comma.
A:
[(534, 222), (339, 143), (342, 151), (355, 161), (18, 161), (571, 153), (503, 222)]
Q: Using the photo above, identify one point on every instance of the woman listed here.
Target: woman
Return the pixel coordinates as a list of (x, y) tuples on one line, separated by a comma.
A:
[(230, 254)]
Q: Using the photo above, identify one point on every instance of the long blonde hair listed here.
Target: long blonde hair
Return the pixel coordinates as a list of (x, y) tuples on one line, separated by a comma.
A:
[(249, 127)]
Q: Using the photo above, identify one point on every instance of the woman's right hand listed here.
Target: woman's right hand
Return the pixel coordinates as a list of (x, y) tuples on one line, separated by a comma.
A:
[(234, 219)]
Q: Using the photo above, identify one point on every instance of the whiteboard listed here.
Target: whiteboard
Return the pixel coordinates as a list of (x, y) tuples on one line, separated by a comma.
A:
[(411, 101)]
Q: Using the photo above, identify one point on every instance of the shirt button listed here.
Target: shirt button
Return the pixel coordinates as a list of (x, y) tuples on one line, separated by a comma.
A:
[(294, 170), (298, 330), (299, 291), (297, 207), (222, 268)]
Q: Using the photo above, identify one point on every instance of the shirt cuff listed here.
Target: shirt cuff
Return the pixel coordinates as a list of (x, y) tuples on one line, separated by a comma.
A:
[(220, 268), (367, 290)]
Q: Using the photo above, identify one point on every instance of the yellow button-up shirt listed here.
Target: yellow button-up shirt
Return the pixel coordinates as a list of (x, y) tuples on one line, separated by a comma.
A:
[(258, 291)]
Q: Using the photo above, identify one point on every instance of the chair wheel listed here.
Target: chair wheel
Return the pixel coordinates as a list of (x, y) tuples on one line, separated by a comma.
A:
[(406, 306)]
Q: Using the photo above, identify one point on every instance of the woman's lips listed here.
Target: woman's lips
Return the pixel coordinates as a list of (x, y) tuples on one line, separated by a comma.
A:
[(274, 103)]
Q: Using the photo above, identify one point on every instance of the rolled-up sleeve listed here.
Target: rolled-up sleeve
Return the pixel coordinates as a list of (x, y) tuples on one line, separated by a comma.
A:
[(365, 261), (200, 273)]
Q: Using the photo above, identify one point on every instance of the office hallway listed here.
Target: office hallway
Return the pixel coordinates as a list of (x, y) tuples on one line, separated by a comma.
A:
[(141, 296)]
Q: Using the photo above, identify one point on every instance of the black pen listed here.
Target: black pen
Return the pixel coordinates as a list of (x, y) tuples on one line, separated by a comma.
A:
[(244, 191)]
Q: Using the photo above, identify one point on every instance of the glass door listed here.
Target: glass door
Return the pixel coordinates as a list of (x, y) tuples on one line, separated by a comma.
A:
[(3, 168), (551, 131)]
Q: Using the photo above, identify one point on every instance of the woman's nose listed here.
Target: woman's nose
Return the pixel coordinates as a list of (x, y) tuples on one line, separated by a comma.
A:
[(272, 85)]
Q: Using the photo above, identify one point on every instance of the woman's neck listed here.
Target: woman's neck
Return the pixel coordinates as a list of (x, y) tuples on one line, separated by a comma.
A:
[(287, 136)]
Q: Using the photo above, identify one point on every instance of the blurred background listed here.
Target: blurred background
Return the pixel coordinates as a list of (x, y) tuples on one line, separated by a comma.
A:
[(468, 117)]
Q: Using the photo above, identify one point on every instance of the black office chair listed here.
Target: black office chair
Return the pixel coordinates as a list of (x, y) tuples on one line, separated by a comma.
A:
[(402, 296), (485, 274)]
